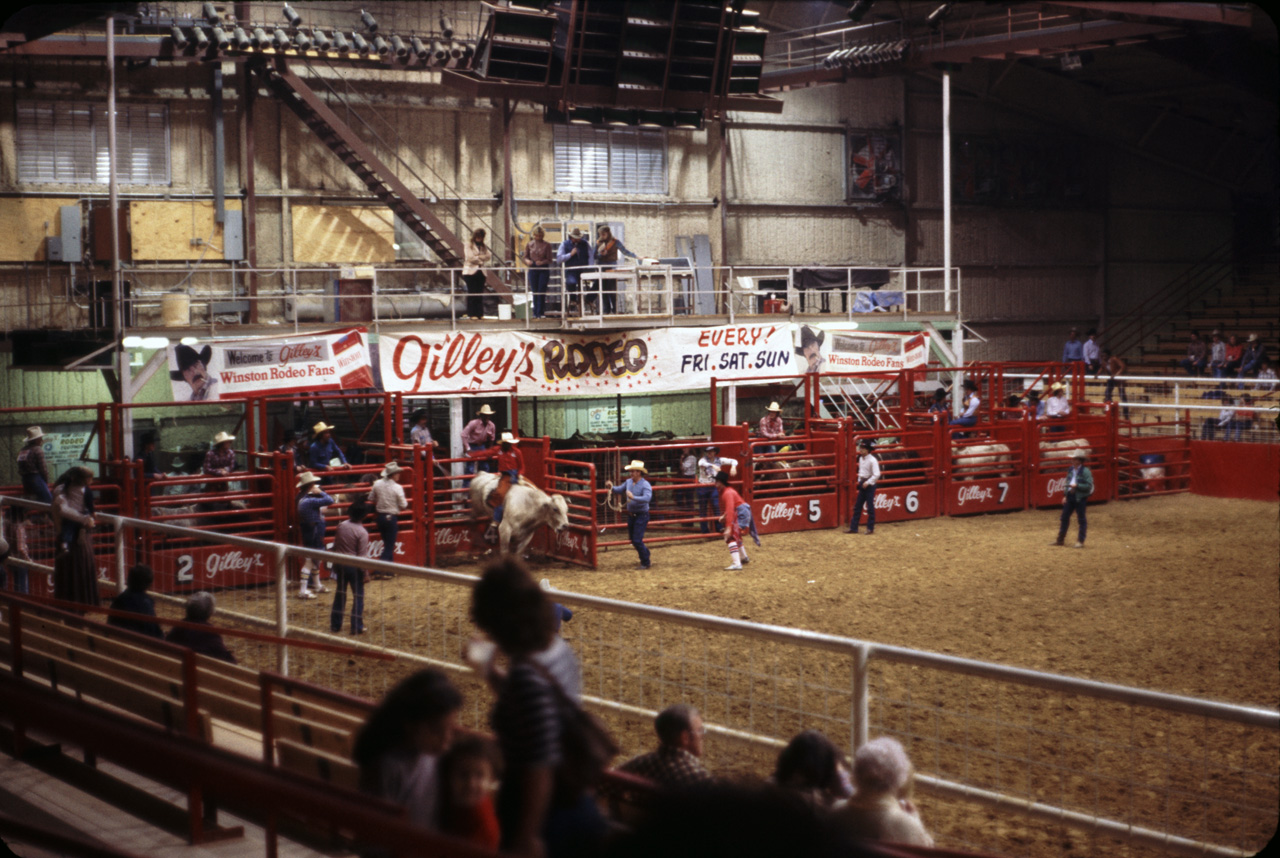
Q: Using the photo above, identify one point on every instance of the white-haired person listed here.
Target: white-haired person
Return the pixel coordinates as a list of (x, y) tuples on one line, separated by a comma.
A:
[(881, 807)]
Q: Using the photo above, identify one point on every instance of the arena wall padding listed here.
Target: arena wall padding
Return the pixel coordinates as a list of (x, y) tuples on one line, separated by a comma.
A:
[(1228, 469)]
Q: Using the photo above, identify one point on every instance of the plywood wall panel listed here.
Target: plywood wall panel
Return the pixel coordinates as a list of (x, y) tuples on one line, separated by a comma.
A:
[(162, 230), (25, 222), (327, 234), (773, 165), (816, 237)]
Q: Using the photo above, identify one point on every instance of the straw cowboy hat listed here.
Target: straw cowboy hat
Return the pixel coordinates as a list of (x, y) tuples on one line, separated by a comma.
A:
[(1079, 454), (221, 437), (1057, 385), (576, 233), (34, 433), (508, 438), (486, 410), (186, 358), (773, 406), (637, 465), (391, 469), (322, 427), (307, 479)]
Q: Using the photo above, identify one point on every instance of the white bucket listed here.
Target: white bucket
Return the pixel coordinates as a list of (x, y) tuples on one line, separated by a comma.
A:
[(504, 312), (175, 310)]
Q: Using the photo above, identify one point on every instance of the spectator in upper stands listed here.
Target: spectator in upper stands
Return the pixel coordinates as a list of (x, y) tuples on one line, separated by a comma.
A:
[(576, 253), (537, 257), (1251, 357), (809, 767), (135, 600), (398, 747), (1265, 372), (1226, 417), (972, 403), (475, 258), (1092, 355), (881, 807), (469, 772), (677, 762), (1234, 351), (32, 469), (1114, 366), (1209, 428), (1073, 349), (205, 641), (607, 250), (1217, 355), (1197, 356), (532, 693)]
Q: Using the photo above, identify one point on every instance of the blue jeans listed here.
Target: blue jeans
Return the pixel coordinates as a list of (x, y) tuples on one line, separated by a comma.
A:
[(1193, 367), (348, 576), (538, 279), (18, 574), (963, 421), (747, 522), (867, 499), (1069, 505), (471, 467), (388, 528), (35, 485), (708, 497), (636, 524)]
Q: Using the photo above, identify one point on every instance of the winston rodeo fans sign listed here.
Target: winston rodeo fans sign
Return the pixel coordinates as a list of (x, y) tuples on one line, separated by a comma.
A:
[(337, 360)]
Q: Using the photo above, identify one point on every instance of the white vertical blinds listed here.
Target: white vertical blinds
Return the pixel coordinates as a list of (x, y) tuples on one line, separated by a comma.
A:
[(64, 142), (617, 160)]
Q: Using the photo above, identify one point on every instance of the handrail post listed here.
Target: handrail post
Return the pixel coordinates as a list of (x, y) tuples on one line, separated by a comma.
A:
[(191, 712), (120, 564), (858, 716), (282, 610)]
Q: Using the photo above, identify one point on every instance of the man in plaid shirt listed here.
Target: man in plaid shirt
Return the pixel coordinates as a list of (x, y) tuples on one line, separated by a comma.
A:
[(676, 763)]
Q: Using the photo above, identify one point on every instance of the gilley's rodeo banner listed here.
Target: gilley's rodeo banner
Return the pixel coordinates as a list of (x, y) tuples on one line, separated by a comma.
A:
[(658, 360), (226, 369)]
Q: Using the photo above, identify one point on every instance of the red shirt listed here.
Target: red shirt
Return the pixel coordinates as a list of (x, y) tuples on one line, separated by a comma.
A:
[(508, 460), (478, 823), (730, 500)]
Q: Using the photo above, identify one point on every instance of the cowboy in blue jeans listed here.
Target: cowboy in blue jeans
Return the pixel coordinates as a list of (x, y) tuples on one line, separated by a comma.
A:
[(639, 493), (1075, 495)]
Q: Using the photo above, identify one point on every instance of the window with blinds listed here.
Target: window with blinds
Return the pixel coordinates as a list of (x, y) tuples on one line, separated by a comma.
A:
[(65, 142), (617, 160)]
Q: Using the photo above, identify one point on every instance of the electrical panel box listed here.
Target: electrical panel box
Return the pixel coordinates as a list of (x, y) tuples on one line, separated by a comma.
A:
[(65, 247), (53, 248), (233, 235)]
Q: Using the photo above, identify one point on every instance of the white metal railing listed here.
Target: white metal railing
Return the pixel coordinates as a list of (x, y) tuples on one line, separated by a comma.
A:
[(218, 299), (1070, 751)]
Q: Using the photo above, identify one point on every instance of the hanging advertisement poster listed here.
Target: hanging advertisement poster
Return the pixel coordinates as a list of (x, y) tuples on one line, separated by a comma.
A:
[(867, 351), (337, 360)]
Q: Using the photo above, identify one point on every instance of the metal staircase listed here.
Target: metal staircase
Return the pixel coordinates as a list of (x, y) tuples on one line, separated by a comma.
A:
[(343, 142)]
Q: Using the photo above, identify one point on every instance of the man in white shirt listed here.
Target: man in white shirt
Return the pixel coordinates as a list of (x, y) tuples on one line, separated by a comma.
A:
[(1092, 353), (708, 495), (868, 476), (387, 497), (1057, 407)]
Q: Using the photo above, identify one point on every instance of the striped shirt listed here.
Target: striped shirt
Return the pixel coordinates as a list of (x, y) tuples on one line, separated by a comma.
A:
[(388, 496), (218, 462)]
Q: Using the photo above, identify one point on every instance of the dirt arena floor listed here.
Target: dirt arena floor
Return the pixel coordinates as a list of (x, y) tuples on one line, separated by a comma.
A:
[(1178, 594)]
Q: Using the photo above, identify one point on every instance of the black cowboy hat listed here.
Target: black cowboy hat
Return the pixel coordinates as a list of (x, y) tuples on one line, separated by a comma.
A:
[(808, 337), (186, 356)]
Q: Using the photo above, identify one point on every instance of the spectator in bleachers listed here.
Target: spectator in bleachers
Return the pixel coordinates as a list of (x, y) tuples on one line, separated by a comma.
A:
[(809, 767), (537, 258), (204, 641), (1197, 356), (1092, 355), (972, 403), (1073, 349), (476, 256), (1209, 428), (398, 747), (32, 469), (881, 807), (677, 762), (135, 600), (469, 772), (575, 253), (1241, 419), (540, 810), (1234, 351), (1265, 372), (1251, 357), (1217, 356), (1226, 418)]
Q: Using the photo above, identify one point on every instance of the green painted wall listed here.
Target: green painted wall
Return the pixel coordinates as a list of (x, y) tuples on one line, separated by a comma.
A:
[(684, 414)]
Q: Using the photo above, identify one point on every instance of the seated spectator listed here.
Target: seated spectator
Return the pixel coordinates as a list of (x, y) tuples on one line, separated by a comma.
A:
[(677, 761), (397, 748), (972, 402), (941, 404), (1217, 355), (881, 806), (1234, 351), (1251, 357), (1197, 356), (1266, 373), (1056, 407), (135, 600), (205, 641), (469, 772), (809, 767), (1031, 402)]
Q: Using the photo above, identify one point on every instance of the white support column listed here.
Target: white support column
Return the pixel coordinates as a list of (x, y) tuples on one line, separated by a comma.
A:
[(731, 404), (455, 433), (946, 189)]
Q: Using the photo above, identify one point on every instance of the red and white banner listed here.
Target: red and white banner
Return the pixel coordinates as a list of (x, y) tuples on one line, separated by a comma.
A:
[(227, 369), (645, 361)]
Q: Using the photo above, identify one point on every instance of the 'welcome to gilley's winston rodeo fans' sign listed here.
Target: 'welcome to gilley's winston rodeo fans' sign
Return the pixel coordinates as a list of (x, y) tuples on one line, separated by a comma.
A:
[(630, 362)]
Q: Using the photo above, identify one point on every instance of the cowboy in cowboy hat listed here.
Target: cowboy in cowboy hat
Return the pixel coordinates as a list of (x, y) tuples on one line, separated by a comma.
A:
[(324, 450), (387, 497), (639, 493), (193, 368), (510, 466), (221, 459), (32, 468), (311, 503), (771, 427), (478, 434)]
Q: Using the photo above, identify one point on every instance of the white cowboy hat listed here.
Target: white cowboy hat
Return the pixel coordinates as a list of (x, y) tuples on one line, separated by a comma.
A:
[(322, 427), (34, 433), (637, 465), (391, 469), (1057, 385), (1253, 338), (773, 406), (508, 438), (484, 409), (222, 436), (1079, 454), (307, 479)]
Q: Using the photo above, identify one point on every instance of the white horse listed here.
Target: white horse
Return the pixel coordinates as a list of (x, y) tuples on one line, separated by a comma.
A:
[(525, 509)]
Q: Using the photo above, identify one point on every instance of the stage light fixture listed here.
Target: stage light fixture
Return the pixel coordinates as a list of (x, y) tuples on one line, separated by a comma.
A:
[(302, 40), (399, 47), (419, 49), (340, 43), (281, 40), (937, 16), (210, 13), (242, 40), (221, 39), (370, 23), (321, 41), (202, 40), (179, 39), (381, 45), (294, 19), (260, 37), (132, 342), (859, 10), (446, 27), (362, 45), (155, 342), (439, 53)]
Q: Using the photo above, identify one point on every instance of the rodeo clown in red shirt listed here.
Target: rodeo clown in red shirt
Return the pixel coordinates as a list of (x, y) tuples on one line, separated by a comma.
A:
[(510, 466), (737, 518)]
